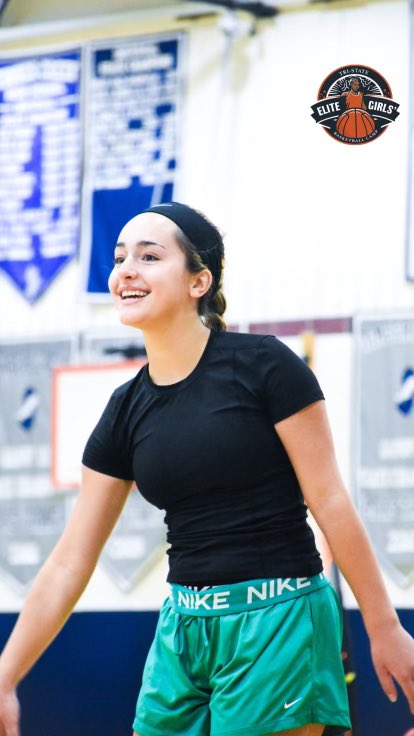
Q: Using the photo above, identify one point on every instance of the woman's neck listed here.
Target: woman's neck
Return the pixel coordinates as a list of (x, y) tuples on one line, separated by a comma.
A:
[(174, 353)]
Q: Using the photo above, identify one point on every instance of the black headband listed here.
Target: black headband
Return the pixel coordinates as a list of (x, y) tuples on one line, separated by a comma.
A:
[(204, 236)]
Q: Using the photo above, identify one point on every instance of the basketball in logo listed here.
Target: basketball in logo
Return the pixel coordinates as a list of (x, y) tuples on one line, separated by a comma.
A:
[(355, 105), (355, 124)]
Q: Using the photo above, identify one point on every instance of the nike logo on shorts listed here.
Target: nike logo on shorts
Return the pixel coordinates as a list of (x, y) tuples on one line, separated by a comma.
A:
[(289, 705)]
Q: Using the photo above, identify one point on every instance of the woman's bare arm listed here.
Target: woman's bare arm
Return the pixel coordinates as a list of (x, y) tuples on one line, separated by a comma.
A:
[(307, 439), (64, 576)]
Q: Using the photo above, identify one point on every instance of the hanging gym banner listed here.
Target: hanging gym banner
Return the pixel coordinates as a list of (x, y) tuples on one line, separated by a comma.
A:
[(133, 100), (32, 516), (39, 168), (384, 481)]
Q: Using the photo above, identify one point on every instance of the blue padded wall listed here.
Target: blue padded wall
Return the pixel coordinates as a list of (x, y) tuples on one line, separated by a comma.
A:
[(87, 682), (373, 714)]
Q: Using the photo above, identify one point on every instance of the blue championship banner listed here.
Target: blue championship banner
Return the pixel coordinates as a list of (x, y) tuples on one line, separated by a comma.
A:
[(133, 90), (39, 168)]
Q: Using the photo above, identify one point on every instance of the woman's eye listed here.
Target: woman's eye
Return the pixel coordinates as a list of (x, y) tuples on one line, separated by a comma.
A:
[(149, 257), (146, 257)]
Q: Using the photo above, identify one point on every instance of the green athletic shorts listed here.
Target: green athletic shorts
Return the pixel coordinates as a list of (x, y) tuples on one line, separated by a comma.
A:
[(246, 659)]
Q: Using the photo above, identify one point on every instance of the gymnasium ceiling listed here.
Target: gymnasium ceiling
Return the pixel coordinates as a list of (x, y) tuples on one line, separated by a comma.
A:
[(22, 12)]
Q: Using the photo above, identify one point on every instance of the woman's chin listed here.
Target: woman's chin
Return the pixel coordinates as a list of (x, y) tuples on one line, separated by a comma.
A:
[(130, 320)]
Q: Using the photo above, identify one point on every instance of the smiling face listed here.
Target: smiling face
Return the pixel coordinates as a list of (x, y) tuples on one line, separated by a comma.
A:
[(355, 85), (150, 283)]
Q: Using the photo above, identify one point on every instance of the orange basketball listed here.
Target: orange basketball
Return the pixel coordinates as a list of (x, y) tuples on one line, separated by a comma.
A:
[(355, 123)]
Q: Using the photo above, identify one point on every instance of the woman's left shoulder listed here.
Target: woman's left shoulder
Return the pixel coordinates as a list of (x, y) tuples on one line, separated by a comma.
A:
[(243, 340), (251, 348)]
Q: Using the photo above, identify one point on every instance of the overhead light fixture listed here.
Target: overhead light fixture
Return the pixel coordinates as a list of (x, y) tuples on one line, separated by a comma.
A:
[(257, 9)]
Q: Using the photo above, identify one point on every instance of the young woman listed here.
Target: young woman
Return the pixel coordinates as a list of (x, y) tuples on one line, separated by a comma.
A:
[(228, 433)]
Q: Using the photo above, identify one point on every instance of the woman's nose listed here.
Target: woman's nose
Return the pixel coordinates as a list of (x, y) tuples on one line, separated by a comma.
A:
[(128, 268)]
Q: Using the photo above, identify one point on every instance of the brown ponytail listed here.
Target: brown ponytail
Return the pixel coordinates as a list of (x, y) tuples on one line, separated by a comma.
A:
[(215, 307), (212, 305)]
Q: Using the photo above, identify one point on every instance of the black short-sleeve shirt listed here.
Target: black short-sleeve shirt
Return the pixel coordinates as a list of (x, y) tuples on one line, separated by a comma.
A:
[(205, 450)]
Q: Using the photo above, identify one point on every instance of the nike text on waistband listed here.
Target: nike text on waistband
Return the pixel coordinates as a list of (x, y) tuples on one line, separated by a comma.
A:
[(244, 596)]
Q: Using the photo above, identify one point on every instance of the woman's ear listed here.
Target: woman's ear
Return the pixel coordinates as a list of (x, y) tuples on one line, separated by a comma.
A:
[(200, 283)]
